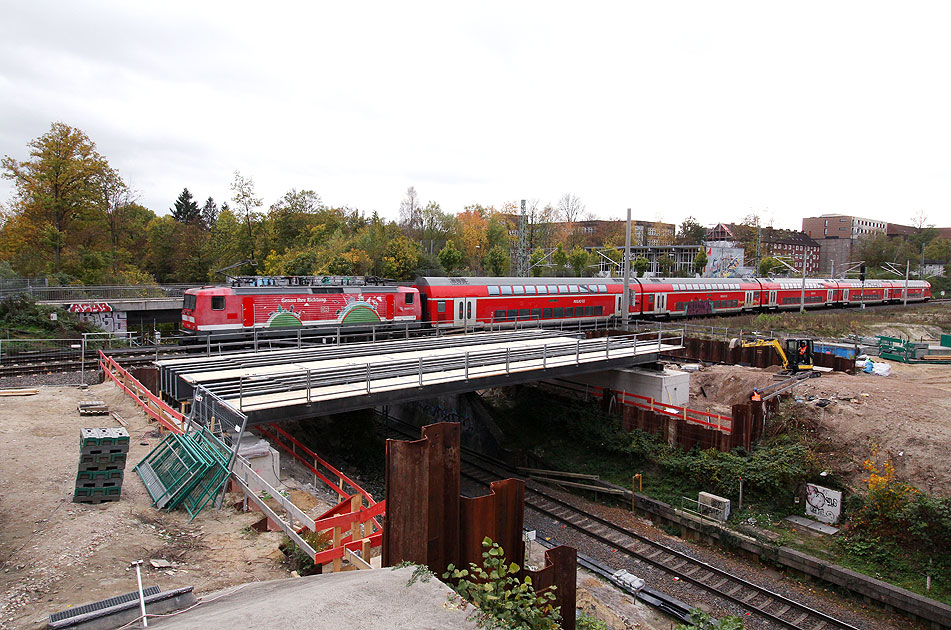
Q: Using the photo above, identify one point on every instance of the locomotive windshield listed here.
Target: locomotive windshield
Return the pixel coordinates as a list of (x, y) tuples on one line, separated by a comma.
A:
[(189, 303)]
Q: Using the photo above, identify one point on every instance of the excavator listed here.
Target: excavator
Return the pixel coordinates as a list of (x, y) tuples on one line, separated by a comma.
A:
[(796, 357)]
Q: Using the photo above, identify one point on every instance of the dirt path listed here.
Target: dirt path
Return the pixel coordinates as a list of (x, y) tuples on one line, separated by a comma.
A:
[(56, 553), (905, 416)]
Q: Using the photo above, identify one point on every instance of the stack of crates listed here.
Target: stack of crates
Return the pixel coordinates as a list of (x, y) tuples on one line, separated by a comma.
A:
[(102, 455)]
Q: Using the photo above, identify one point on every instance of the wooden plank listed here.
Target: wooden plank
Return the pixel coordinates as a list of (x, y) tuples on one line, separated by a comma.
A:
[(19, 392), (119, 419)]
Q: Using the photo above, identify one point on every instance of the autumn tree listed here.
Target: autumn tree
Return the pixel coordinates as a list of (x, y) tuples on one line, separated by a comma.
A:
[(411, 215), (58, 191), (450, 258), (535, 262), (690, 232), (768, 265), (437, 226), (640, 265), (700, 261), (578, 259), (472, 229), (559, 258), (401, 258), (498, 260), (247, 204)]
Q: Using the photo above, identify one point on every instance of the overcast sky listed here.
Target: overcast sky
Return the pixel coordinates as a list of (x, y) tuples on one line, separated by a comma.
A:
[(710, 109)]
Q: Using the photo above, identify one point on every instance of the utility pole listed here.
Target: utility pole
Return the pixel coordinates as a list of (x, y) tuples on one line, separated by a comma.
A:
[(759, 231), (521, 255), (904, 296), (802, 297), (626, 300)]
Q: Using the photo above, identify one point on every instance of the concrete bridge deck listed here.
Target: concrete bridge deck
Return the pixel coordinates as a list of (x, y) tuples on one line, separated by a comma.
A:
[(283, 385)]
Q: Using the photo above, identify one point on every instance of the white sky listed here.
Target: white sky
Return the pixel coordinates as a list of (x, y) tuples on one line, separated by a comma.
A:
[(710, 109)]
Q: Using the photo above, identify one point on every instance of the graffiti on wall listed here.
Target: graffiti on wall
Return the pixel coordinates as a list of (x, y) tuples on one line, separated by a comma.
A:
[(109, 321), (91, 307)]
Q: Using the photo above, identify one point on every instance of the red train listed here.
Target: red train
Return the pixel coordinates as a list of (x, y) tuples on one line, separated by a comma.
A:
[(288, 302)]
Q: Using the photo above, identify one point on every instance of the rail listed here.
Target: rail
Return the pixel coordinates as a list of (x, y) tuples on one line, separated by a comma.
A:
[(298, 385), (83, 293), (155, 407)]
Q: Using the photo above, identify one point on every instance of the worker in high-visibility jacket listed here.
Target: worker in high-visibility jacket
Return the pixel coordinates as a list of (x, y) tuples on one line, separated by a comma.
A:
[(755, 396)]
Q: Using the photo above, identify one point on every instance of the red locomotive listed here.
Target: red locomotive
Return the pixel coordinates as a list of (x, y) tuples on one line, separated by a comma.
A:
[(259, 302)]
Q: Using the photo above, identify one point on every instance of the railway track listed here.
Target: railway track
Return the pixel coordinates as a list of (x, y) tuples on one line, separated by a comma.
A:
[(758, 600)]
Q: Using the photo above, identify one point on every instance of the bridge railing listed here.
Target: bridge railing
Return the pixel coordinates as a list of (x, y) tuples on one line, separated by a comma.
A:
[(93, 293), (299, 385)]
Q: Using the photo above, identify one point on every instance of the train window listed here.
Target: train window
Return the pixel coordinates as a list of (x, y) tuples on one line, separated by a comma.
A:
[(599, 310), (583, 288), (530, 289), (513, 313), (519, 290), (572, 288), (542, 289), (500, 316), (546, 313), (536, 313), (523, 313), (559, 312), (588, 310), (441, 306), (552, 289), (189, 302), (493, 290), (603, 288), (217, 302), (409, 298), (506, 290), (570, 311), (461, 311)]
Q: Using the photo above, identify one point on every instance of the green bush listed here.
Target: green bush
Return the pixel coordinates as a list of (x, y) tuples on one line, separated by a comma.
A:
[(503, 600)]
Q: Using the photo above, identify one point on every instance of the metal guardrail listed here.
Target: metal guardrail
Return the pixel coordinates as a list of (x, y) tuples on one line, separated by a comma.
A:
[(358, 378), (87, 293)]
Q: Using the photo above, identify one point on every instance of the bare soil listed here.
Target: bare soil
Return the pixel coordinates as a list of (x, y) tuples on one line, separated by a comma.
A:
[(905, 416), (56, 553)]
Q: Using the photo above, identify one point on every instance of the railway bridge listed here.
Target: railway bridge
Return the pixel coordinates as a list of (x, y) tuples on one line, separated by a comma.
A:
[(246, 389)]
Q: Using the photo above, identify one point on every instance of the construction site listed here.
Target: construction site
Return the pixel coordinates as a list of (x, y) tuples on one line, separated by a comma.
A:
[(335, 486)]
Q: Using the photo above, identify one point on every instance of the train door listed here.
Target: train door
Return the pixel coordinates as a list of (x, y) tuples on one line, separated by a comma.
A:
[(464, 313), (247, 311), (845, 295), (829, 296), (618, 299), (660, 303), (749, 299), (772, 298)]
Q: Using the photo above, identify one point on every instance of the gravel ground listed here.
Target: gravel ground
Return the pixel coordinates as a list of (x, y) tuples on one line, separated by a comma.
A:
[(52, 378), (851, 611)]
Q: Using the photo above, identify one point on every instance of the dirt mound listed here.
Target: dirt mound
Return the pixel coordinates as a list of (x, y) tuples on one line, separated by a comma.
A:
[(914, 332), (727, 385)]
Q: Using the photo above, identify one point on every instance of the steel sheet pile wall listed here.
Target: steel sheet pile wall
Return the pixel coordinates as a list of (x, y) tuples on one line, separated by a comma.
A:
[(712, 351), (429, 523), (747, 427)]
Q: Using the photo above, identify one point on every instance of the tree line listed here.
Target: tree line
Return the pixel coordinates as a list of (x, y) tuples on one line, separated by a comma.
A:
[(73, 218)]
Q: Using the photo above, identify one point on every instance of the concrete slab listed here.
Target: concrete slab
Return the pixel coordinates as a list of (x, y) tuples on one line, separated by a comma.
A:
[(815, 526), (378, 599)]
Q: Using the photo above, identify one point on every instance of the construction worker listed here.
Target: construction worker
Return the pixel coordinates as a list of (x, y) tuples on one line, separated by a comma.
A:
[(755, 396)]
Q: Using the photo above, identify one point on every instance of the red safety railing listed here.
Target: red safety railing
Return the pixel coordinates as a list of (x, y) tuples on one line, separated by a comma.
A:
[(712, 420), (312, 462), (154, 406)]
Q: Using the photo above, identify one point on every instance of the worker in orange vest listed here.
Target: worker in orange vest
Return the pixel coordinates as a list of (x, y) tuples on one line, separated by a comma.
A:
[(755, 397)]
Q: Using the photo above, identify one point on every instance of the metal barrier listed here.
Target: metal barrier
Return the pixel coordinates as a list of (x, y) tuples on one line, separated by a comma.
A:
[(84, 293), (155, 407), (359, 378)]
